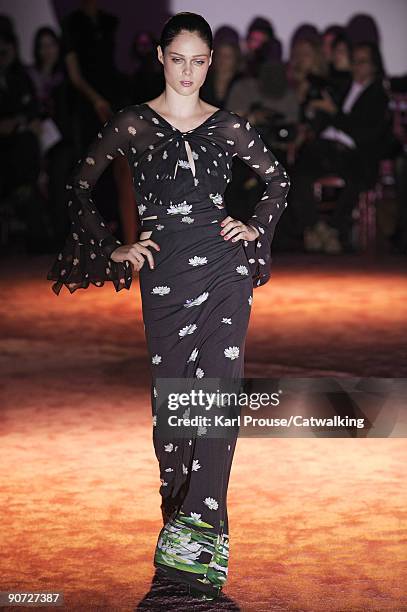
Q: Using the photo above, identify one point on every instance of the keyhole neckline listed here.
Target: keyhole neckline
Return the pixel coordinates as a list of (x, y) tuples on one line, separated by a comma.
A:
[(176, 129)]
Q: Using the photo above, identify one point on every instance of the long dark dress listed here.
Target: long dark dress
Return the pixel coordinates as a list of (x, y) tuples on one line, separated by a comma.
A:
[(196, 301)]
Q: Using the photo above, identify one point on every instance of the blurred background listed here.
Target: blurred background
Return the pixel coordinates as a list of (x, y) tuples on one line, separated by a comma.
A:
[(325, 85)]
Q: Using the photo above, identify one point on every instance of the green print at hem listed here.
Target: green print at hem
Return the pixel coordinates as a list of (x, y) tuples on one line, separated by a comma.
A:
[(188, 545)]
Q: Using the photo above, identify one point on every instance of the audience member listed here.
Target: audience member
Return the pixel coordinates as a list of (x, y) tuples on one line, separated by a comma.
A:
[(349, 146)]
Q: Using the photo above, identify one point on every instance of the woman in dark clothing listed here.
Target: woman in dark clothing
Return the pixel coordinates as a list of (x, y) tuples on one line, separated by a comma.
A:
[(223, 73), (197, 291), (50, 79)]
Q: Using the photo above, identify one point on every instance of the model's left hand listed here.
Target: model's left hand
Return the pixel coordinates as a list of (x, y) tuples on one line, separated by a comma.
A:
[(233, 229)]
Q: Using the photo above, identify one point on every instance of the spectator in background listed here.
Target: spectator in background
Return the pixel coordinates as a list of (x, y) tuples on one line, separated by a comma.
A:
[(340, 69), (20, 153), (147, 81), (348, 146), (225, 70), (88, 38), (363, 28), (305, 31), (307, 71), (260, 99), (328, 36), (89, 47), (261, 45), (49, 76)]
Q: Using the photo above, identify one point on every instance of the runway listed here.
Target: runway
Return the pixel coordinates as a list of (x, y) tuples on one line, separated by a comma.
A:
[(318, 525)]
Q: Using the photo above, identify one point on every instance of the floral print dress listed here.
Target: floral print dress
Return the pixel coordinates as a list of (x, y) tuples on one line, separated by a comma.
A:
[(196, 301)]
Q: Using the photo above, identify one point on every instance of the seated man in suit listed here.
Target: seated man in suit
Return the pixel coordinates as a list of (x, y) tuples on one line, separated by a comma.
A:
[(348, 144)]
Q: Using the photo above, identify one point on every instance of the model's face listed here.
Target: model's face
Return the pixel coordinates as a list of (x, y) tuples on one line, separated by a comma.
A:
[(186, 61)]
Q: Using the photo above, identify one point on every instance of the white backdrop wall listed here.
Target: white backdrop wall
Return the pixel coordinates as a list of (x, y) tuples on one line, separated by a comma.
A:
[(390, 16), (286, 15)]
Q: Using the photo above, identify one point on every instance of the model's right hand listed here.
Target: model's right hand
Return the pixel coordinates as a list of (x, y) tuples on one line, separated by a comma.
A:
[(136, 253)]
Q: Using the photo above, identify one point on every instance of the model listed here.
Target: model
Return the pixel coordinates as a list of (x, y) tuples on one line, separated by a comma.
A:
[(197, 287)]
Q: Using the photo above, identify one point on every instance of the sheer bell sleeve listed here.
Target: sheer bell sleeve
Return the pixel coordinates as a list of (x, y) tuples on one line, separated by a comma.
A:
[(85, 256), (248, 145)]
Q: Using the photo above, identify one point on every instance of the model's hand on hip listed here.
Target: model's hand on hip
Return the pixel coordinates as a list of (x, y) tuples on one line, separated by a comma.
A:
[(136, 253), (233, 229)]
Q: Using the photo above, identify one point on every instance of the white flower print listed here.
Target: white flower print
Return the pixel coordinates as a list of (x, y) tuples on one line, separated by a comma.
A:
[(84, 184), (154, 420), (193, 355), (179, 209), (159, 226), (189, 329), (196, 516), (169, 470), (242, 270), (216, 198), (261, 230), (187, 220), (182, 163), (184, 469), (132, 130), (90, 161), (197, 261), (141, 209), (164, 484), (169, 447), (195, 465), (155, 392), (199, 373), (201, 430), (211, 503), (226, 320), (160, 290), (156, 359), (232, 352), (250, 300), (197, 301), (261, 261)]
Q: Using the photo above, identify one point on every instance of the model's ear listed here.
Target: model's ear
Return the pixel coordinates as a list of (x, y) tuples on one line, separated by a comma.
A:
[(210, 58), (160, 54)]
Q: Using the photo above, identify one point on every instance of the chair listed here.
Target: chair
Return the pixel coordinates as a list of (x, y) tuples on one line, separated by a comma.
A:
[(364, 215)]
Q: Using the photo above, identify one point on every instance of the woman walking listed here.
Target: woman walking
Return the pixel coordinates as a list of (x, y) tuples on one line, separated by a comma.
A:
[(198, 285)]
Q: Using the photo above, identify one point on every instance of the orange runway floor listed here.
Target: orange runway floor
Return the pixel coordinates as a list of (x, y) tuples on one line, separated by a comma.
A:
[(315, 524)]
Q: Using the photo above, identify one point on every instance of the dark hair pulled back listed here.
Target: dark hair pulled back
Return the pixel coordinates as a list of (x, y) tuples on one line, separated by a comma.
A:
[(192, 22)]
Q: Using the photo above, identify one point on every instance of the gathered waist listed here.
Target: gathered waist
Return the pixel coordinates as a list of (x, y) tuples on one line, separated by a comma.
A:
[(181, 221)]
